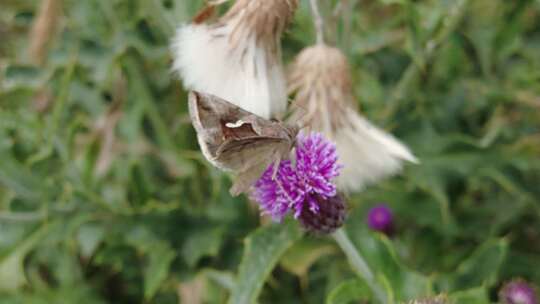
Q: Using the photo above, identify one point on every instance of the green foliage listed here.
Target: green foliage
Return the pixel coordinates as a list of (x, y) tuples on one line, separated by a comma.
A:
[(263, 248), (348, 292), (105, 198)]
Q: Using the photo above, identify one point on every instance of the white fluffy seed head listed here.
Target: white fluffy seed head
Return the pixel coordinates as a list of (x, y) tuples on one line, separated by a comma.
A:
[(238, 58), (320, 79)]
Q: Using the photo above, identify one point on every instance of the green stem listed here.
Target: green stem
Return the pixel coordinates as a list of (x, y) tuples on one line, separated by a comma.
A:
[(359, 264)]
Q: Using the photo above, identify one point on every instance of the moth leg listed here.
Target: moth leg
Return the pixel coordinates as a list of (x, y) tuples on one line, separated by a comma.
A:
[(292, 157), (275, 168)]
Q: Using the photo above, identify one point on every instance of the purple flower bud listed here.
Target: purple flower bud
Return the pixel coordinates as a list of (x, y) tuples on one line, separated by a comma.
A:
[(329, 216), (518, 292), (380, 218)]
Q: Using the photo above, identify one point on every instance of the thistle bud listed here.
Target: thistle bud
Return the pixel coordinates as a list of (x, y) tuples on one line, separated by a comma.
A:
[(518, 292), (380, 218)]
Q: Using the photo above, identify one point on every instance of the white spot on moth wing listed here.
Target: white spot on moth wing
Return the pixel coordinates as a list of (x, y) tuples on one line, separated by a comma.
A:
[(237, 124)]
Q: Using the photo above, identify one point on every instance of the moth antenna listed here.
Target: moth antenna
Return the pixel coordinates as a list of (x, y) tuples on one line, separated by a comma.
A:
[(298, 111), (292, 156), (275, 168), (303, 124)]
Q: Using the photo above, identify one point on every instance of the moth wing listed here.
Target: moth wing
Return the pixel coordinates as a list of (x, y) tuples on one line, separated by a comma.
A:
[(249, 158), (244, 180), (208, 114), (242, 154), (207, 110)]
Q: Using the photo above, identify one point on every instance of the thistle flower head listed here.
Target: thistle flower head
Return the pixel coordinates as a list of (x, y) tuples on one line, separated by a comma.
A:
[(324, 101), (518, 292), (238, 57), (303, 186), (380, 218)]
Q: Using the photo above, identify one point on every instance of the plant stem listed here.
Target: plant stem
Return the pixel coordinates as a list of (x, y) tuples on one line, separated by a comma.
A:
[(359, 264), (318, 20)]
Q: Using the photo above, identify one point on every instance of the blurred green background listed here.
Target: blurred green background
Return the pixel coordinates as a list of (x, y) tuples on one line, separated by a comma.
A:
[(105, 198)]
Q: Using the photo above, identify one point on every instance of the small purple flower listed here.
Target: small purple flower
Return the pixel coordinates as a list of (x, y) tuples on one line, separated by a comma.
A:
[(302, 185), (380, 218), (518, 292)]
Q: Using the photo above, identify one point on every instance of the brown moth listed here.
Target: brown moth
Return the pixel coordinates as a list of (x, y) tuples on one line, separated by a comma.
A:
[(239, 141)]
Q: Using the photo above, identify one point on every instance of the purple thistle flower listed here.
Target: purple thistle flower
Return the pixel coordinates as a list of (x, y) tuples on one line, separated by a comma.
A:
[(380, 218), (302, 185), (518, 292)]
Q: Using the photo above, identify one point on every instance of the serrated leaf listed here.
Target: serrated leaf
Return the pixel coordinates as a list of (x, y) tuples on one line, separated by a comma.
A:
[(23, 76), (387, 267), (89, 236), (470, 296), (201, 243), (12, 274), (303, 254), (19, 179), (263, 249), (406, 283), (482, 267), (349, 291), (223, 278), (157, 270), (159, 256)]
